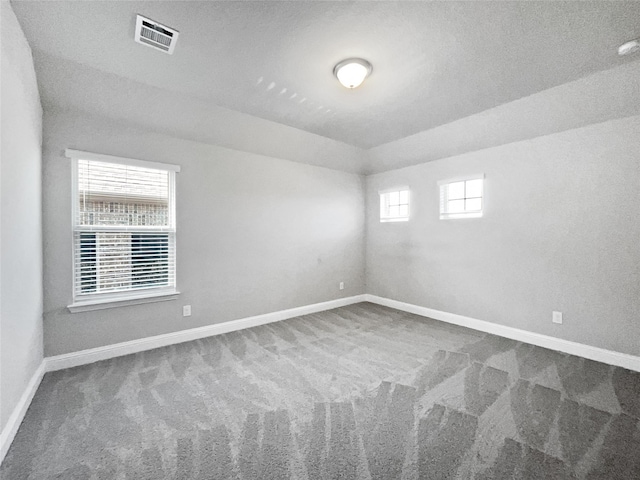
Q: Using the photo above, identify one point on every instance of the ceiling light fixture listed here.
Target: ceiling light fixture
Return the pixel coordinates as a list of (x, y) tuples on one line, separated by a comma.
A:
[(630, 47), (352, 71)]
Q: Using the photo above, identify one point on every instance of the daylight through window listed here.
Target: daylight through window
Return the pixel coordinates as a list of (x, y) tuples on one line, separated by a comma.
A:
[(461, 198), (124, 229), (394, 205)]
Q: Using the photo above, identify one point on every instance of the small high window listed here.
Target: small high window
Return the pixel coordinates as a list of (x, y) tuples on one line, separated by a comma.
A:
[(461, 198), (394, 205)]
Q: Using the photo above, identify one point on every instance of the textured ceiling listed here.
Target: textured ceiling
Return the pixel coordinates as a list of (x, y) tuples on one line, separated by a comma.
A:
[(434, 62)]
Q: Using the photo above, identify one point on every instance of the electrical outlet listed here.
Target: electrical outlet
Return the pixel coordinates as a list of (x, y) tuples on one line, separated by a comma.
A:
[(557, 317), (341, 285), (186, 311)]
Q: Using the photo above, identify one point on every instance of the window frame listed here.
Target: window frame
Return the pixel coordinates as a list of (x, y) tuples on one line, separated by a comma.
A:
[(98, 301), (444, 184), (387, 191)]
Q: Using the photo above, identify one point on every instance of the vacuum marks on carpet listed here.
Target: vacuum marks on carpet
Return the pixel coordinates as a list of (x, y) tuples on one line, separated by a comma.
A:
[(360, 392)]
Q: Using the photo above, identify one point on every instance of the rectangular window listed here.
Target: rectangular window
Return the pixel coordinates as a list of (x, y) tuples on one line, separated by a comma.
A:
[(461, 198), (394, 205), (124, 228)]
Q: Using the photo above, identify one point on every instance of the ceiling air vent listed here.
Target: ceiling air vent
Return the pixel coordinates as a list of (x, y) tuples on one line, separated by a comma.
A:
[(155, 35)]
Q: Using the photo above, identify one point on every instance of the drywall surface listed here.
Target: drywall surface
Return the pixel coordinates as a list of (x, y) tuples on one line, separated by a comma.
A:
[(560, 232), (21, 219), (69, 86), (433, 62), (255, 234), (606, 95)]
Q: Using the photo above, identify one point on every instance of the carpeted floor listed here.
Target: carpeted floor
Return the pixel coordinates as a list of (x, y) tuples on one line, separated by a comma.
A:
[(360, 392)]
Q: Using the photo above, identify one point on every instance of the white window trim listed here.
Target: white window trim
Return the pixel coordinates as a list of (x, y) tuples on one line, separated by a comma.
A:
[(99, 157), (395, 219), (393, 189), (123, 301), (477, 176), (461, 215), (117, 299)]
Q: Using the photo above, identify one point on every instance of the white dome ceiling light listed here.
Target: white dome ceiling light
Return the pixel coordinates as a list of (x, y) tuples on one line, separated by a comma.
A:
[(630, 47), (352, 71)]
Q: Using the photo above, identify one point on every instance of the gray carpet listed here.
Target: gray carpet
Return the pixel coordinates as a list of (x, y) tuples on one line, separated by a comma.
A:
[(360, 392)]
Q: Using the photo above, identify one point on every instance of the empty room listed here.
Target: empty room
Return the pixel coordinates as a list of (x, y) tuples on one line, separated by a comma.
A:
[(320, 240)]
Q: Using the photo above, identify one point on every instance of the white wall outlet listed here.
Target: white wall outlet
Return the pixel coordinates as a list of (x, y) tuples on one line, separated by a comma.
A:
[(186, 311), (341, 285), (557, 317)]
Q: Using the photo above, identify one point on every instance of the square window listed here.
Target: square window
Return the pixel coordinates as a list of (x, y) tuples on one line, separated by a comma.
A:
[(461, 198), (394, 205)]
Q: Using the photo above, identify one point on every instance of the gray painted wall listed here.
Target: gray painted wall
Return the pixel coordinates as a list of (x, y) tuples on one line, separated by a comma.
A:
[(602, 96), (21, 218), (560, 232), (255, 234), (62, 82)]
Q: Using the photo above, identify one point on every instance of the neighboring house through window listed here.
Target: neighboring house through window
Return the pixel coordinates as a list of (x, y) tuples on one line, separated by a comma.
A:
[(124, 228)]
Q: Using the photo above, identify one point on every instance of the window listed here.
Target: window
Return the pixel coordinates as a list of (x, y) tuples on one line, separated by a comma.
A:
[(461, 198), (124, 228), (394, 205)]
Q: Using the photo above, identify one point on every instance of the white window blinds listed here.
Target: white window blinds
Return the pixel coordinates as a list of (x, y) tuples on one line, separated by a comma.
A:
[(123, 228)]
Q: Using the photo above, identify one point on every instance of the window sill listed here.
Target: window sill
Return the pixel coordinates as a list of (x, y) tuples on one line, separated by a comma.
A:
[(460, 216), (122, 301)]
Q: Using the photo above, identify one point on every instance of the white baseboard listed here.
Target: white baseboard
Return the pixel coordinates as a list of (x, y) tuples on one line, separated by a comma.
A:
[(11, 428), (610, 357), (84, 357)]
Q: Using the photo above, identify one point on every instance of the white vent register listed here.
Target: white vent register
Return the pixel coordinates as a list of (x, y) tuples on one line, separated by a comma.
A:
[(155, 35)]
